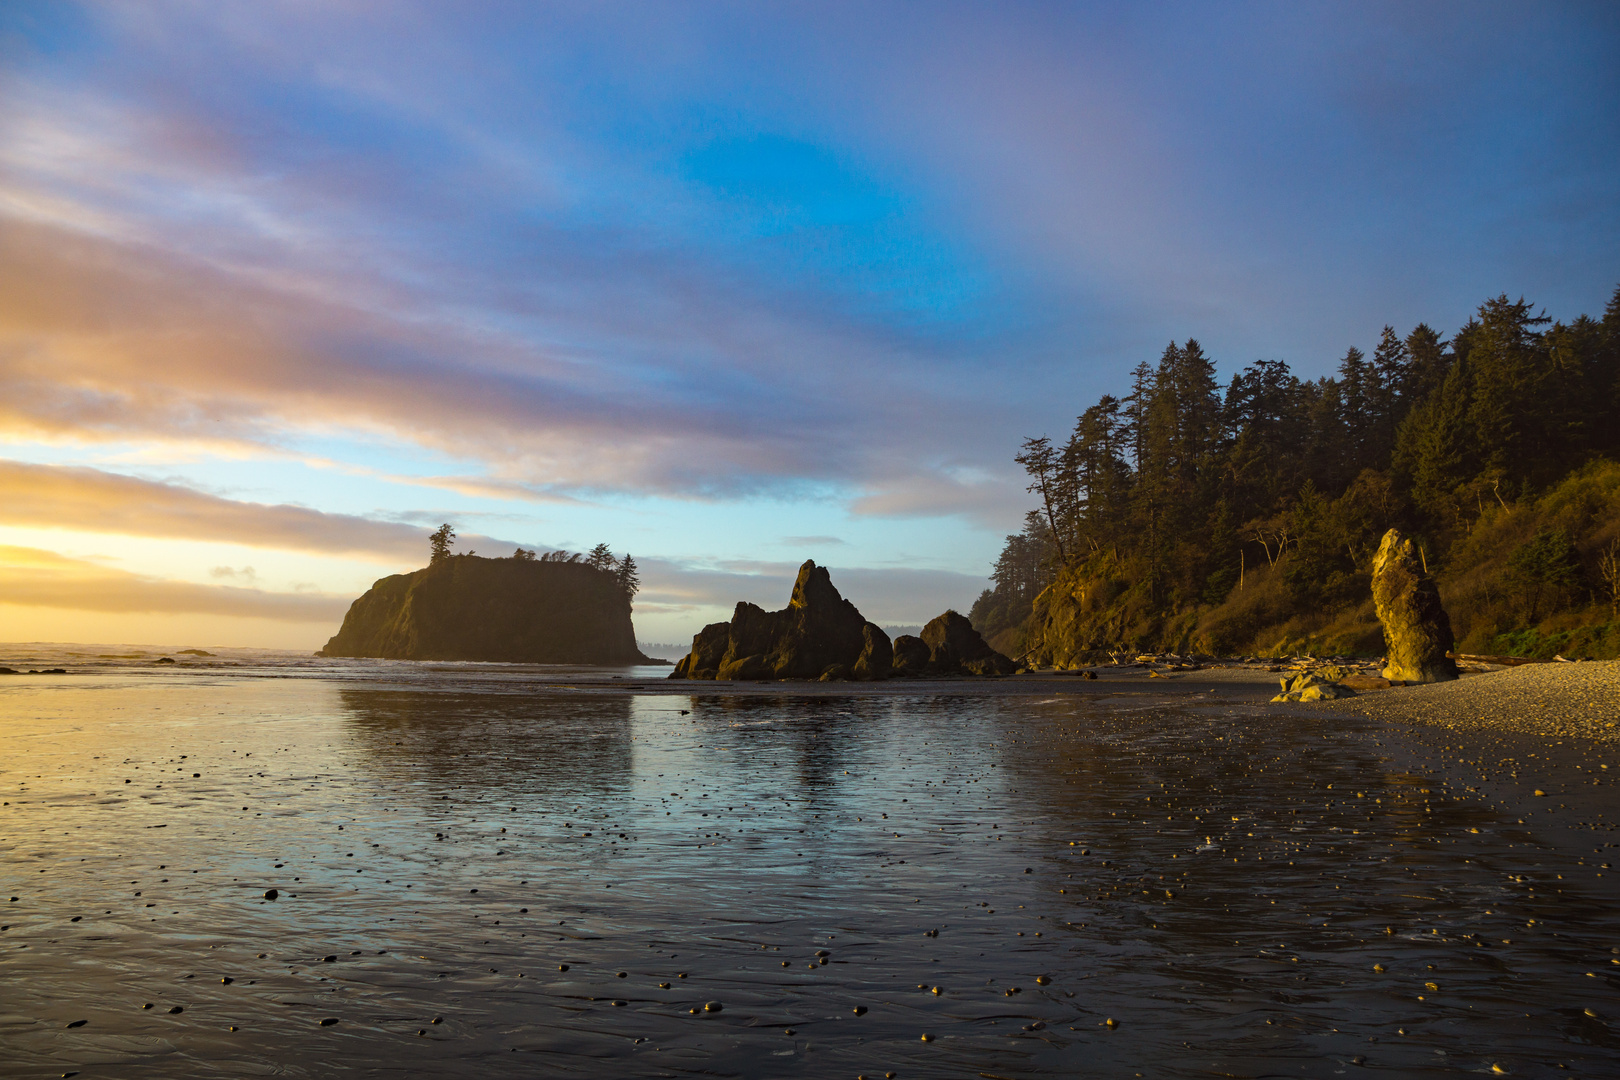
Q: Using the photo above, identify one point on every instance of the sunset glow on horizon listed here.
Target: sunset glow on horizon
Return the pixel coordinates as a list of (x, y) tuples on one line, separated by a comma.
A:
[(285, 286)]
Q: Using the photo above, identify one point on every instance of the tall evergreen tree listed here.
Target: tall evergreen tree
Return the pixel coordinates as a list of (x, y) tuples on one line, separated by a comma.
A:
[(628, 576), (1358, 396), (602, 558), (439, 543)]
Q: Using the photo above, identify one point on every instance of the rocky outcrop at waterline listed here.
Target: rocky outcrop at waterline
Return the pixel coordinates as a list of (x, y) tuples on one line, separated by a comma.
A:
[(1417, 632), (819, 635), (949, 646), (465, 607)]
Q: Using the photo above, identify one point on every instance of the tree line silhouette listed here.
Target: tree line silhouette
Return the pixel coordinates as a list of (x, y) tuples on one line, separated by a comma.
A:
[(600, 558)]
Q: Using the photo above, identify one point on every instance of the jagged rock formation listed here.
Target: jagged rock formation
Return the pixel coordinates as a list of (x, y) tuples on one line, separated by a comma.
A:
[(819, 635), (1417, 632), (949, 646), (470, 608)]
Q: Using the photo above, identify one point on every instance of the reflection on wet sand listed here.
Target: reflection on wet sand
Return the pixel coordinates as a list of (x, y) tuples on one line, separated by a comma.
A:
[(935, 885)]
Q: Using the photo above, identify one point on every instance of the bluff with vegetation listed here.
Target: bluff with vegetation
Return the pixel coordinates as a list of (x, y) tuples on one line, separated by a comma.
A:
[(556, 609), (1191, 517)]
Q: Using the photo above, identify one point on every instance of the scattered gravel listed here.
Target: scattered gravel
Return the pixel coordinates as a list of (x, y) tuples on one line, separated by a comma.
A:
[(1555, 700)]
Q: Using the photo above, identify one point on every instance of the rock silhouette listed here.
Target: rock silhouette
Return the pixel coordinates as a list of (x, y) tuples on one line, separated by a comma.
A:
[(818, 634), (954, 646), (465, 607), (1417, 631), (949, 645)]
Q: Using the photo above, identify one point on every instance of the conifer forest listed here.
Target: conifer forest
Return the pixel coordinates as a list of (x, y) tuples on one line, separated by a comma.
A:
[(1186, 516)]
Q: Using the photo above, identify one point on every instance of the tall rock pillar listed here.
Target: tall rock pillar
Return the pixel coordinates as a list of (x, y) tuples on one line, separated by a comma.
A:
[(1417, 632)]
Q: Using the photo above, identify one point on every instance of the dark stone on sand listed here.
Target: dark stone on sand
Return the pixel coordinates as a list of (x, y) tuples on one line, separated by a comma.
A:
[(174, 1009), (910, 655), (818, 635), (77, 1023), (1417, 631), (954, 646), (712, 1006), (949, 646), (466, 607), (329, 1021)]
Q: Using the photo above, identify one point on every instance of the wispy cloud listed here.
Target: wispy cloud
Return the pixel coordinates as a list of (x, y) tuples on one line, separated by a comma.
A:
[(95, 501)]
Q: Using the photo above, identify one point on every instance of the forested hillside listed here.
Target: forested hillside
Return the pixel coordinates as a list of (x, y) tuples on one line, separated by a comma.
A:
[(1185, 516)]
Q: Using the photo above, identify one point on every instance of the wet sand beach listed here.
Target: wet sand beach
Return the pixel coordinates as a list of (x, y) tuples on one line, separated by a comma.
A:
[(501, 871)]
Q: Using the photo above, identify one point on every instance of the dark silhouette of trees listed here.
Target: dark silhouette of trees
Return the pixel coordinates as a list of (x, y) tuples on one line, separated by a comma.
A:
[(439, 543), (601, 557), (628, 576)]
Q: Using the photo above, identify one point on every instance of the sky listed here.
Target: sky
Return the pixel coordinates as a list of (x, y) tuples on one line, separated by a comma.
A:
[(283, 286)]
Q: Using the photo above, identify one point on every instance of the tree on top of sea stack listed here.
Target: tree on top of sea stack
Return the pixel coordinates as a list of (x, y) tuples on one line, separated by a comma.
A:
[(628, 577), (439, 543), (1417, 631)]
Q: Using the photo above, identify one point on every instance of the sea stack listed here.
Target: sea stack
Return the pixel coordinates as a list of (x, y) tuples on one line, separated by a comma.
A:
[(819, 635), (465, 607), (1417, 631)]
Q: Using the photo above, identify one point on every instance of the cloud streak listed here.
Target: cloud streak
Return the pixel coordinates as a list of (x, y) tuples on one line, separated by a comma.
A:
[(95, 501)]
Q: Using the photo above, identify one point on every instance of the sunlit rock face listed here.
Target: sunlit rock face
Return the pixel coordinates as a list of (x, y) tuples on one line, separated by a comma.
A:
[(819, 634), (469, 608), (1417, 631)]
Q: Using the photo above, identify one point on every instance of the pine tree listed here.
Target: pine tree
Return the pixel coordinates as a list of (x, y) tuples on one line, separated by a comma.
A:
[(601, 558), (1042, 462), (1357, 396), (439, 543), (629, 578), (1511, 389)]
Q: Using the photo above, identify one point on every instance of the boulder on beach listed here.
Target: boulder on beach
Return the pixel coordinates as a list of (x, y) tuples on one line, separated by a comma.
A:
[(949, 645), (819, 634), (910, 655), (1417, 631), (955, 647), (465, 607), (1313, 686)]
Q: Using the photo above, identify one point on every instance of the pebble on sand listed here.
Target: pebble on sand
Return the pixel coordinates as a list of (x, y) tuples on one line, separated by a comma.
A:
[(859, 1010), (77, 1023), (329, 1021), (712, 1006), (271, 894)]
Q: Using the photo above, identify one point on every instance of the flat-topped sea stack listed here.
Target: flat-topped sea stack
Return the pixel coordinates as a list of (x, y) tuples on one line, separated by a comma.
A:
[(819, 635), (465, 607)]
